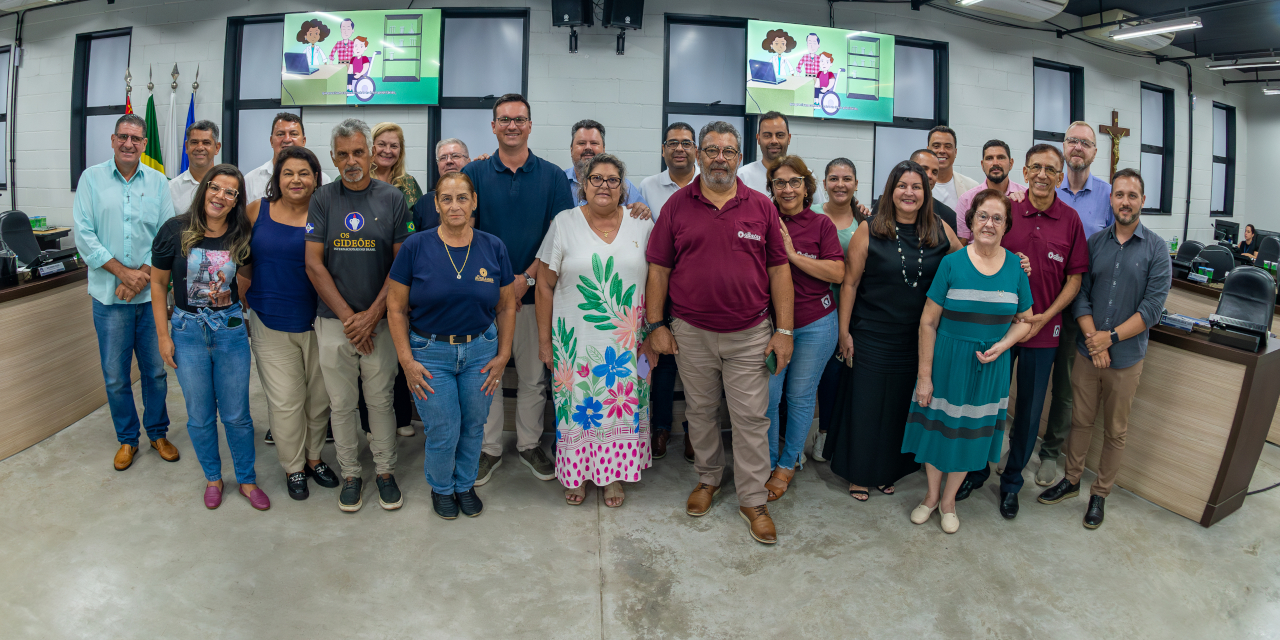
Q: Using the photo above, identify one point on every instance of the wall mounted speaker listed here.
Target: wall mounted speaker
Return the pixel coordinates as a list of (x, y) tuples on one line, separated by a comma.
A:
[(572, 13), (623, 14)]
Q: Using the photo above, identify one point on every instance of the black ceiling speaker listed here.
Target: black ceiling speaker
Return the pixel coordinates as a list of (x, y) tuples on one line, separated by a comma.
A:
[(623, 14), (572, 13)]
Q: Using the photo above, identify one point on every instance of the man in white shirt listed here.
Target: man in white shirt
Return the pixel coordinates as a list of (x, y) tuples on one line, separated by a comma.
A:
[(678, 151), (202, 148), (950, 185), (286, 131), (774, 138)]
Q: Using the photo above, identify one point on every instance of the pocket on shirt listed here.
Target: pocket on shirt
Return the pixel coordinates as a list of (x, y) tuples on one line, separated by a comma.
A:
[(749, 236), (1059, 252)]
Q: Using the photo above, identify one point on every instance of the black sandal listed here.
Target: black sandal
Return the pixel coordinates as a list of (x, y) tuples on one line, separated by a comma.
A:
[(861, 495), (886, 489)]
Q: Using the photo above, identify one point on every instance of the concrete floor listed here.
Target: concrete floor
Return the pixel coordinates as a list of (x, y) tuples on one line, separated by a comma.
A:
[(89, 552)]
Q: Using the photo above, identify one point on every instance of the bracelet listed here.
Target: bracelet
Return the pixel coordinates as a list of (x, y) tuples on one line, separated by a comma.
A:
[(785, 332)]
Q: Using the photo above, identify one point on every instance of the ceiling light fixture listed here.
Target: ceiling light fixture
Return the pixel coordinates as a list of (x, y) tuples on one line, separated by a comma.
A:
[(1152, 28), (1244, 64), (965, 3), (1270, 91)]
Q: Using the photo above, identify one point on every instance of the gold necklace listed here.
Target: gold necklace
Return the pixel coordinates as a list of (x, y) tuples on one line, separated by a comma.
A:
[(593, 227), (449, 253)]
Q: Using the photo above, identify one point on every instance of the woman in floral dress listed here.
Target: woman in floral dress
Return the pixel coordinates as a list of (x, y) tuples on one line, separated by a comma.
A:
[(590, 307)]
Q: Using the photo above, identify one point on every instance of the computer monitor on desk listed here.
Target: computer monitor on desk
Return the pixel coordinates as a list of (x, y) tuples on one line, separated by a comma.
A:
[(1227, 231)]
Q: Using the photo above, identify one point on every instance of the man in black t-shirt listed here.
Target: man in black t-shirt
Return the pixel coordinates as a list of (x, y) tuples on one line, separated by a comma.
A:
[(354, 228)]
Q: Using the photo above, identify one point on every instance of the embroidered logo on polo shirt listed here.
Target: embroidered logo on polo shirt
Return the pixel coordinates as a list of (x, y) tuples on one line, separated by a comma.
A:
[(1056, 257), (826, 301), (811, 256), (310, 227), (483, 276), (354, 221), (748, 235)]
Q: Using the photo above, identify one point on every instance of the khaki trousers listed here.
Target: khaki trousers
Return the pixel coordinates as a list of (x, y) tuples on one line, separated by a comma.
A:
[(734, 362), (1114, 390), (297, 401), (342, 365), (531, 390)]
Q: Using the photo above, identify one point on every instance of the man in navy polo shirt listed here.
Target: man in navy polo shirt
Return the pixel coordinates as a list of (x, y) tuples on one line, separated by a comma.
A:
[(717, 249), (517, 195), (1048, 232)]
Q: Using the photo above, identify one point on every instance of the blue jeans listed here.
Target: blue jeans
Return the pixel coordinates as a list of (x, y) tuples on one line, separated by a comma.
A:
[(211, 349), (814, 344), (662, 392), (123, 331), (1031, 366), (455, 414)]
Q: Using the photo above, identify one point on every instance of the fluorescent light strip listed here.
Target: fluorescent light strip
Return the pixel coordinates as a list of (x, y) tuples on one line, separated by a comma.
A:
[(1167, 26), (1270, 91), (1243, 64), (966, 3)]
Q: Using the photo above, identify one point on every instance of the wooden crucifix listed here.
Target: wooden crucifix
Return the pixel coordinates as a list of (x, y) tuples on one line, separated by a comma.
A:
[(1116, 132)]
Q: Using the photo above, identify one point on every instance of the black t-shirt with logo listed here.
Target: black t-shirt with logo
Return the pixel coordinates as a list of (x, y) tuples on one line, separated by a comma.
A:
[(205, 278), (358, 230)]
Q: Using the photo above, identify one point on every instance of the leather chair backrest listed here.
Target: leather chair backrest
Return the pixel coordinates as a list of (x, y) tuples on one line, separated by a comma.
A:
[(1188, 250), (1219, 258), (15, 229), (1249, 294), (1269, 249)]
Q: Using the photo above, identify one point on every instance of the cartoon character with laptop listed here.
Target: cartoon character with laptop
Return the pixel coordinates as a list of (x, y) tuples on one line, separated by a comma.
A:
[(312, 33)]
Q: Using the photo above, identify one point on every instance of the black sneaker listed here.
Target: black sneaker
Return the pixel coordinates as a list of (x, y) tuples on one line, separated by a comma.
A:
[(445, 506), (297, 483), (350, 499), (268, 439), (323, 475), (388, 493), (470, 503), (328, 435), (1059, 492)]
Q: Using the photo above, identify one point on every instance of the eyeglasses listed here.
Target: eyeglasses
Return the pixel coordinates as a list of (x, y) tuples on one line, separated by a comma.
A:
[(794, 183), (982, 218), (519, 121), (729, 153), (226, 193), (124, 137), (598, 180), (1048, 171), (445, 157), (683, 144), (1077, 141)]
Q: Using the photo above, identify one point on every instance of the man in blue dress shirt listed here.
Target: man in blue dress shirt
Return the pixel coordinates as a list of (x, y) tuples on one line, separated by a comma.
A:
[(587, 140), (119, 206)]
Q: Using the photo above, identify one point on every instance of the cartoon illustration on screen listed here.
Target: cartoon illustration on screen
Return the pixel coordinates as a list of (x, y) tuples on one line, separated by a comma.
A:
[(358, 81), (809, 64), (778, 42), (341, 52), (824, 92), (312, 33)]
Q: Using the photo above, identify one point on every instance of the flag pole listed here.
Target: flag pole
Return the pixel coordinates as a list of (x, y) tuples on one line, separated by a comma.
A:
[(173, 120)]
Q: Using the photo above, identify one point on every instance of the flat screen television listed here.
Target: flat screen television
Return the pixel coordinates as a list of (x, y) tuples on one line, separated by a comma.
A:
[(817, 72), (361, 57)]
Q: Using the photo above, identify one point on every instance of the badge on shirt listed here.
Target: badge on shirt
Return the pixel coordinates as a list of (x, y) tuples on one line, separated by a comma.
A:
[(310, 227), (826, 301), (354, 221), (1056, 330)]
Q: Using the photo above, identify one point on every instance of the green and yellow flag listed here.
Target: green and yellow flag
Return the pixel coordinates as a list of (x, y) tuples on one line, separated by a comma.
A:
[(152, 156)]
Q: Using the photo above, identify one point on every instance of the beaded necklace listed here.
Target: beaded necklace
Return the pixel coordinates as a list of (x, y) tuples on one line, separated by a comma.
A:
[(902, 256)]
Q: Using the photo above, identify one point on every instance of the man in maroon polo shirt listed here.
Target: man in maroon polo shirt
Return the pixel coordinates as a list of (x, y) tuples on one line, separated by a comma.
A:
[(1050, 233), (717, 250)]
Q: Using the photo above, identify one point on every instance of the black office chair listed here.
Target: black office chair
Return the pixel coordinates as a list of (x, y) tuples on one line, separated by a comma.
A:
[(1245, 309), (15, 230), (1268, 250), (1187, 252), (1219, 259)]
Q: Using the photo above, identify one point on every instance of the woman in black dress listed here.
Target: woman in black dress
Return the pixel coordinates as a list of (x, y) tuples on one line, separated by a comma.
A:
[(889, 266)]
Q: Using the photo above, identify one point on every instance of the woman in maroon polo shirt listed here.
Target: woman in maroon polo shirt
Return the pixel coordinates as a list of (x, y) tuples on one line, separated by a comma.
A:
[(813, 250)]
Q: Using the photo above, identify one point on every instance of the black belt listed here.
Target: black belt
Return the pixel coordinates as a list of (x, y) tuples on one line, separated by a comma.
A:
[(451, 339)]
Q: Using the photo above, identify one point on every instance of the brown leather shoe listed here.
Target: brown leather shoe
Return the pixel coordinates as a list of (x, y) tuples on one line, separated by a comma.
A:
[(660, 437), (700, 500), (760, 524), (166, 449), (124, 457)]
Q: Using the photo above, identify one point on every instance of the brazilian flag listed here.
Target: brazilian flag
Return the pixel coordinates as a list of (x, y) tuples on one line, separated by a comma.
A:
[(152, 155)]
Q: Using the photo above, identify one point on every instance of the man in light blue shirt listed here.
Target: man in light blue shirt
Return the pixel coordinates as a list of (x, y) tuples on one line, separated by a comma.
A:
[(587, 139), (119, 206)]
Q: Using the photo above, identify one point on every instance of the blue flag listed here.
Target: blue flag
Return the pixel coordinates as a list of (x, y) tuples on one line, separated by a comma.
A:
[(191, 119)]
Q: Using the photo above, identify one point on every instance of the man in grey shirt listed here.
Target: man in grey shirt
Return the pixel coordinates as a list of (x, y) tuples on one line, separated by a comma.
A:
[(1121, 298)]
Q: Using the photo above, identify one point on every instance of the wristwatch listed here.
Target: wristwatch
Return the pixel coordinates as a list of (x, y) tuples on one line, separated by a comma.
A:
[(530, 280), (654, 326), (785, 332), (1115, 337)]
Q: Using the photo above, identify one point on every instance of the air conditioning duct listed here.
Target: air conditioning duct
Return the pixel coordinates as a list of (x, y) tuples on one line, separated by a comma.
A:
[(1025, 10), (1141, 43)]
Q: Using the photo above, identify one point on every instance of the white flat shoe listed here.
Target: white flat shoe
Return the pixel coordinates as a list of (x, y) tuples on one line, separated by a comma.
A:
[(921, 513), (950, 523), (819, 441)]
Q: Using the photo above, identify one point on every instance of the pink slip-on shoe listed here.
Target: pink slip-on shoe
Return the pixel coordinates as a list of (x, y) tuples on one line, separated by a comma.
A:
[(257, 499), (212, 497)]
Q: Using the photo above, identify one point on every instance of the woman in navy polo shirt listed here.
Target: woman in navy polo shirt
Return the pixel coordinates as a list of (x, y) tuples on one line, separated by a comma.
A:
[(817, 262), (451, 309)]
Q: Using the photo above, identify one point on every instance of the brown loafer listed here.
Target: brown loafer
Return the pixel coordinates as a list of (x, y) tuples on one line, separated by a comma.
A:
[(660, 437), (124, 457), (779, 482), (700, 500), (759, 523), (166, 449)]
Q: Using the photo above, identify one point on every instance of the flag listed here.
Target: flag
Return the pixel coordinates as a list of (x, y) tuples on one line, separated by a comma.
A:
[(191, 119), (152, 156), (128, 106)]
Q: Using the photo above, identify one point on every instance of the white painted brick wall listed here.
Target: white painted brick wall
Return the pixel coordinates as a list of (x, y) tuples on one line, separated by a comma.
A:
[(990, 92)]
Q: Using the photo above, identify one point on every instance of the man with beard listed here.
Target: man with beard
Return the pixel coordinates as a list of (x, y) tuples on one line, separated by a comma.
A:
[(721, 333), (1090, 196), (950, 184), (586, 139), (286, 131), (774, 138), (1048, 232), (997, 162), (355, 227), (202, 148), (1121, 297)]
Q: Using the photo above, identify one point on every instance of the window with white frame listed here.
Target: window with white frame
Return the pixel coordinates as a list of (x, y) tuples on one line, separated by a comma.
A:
[(99, 64), (1059, 100), (251, 89), (1222, 193), (919, 104), (4, 116), (1157, 147)]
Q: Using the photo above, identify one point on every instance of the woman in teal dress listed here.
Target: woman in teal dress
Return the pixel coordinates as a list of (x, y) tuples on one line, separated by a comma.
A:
[(956, 421)]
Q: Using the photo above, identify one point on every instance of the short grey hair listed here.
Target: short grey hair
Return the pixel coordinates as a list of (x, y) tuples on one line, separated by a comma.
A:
[(447, 141), (597, 160), (721, 127), (350, 127), (204, 125), (130, 118)]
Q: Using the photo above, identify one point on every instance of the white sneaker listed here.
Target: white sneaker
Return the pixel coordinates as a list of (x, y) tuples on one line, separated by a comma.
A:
[(1047, 473), (406, 431), (819, 442)]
